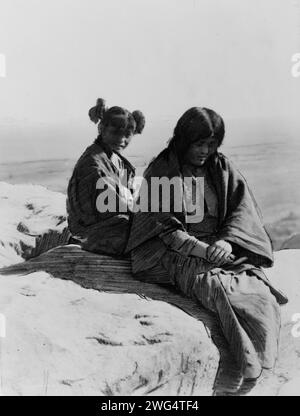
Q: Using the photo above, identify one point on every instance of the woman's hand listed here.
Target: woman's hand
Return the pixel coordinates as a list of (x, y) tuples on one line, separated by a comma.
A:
[(219, 253)]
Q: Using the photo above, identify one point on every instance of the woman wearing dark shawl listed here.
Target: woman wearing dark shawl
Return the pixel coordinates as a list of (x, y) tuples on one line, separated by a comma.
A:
[(217, 260), (103, 173)]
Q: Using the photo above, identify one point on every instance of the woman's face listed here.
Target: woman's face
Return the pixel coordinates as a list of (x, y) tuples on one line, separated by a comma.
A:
[(115, 138), (199, 151)]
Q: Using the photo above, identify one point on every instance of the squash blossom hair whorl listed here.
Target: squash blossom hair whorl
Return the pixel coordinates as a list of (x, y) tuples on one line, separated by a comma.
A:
[(140, 121), (195, 124), (96, 113), (121, 119)]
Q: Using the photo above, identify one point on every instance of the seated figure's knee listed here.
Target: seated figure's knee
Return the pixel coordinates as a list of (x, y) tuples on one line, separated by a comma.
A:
[(207, 289)]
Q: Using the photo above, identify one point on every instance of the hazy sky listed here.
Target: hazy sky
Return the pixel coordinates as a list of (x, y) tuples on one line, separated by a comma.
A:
[(159, 56)]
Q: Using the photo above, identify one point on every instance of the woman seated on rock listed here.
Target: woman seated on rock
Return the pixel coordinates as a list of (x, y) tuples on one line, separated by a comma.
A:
[(216, 260), (100, 189)]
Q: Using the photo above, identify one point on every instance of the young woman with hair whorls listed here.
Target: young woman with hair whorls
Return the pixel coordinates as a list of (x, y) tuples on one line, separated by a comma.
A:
[(96, 230)]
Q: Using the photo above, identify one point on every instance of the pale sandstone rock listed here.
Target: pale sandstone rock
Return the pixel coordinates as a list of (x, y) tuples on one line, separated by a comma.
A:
[(292, 242), (27, 211), (62, 339)]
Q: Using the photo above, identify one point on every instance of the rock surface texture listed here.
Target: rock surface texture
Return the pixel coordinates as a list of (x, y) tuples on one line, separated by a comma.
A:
[(58, 337)]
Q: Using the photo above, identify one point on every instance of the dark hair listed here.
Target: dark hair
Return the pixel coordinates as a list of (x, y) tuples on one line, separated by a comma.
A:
[(196, 123), (119, 117)]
